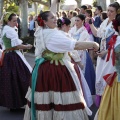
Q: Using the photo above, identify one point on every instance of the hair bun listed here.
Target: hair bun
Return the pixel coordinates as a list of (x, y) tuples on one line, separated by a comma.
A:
[(118, 11)]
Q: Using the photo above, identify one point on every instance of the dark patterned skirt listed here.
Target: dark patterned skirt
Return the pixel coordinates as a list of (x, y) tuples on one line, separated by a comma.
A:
[(0, 46), (56, 96), (14, 81)]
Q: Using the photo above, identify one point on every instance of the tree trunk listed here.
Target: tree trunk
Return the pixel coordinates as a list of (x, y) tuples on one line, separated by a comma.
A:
[(102, 3), (79, 3), (1, 7), (24, 16), (53, 7), (43, 2), (36, 8), (58, 6), (111, 1)]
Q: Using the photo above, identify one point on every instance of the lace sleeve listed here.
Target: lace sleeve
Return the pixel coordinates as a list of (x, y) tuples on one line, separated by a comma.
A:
[(38, 42)]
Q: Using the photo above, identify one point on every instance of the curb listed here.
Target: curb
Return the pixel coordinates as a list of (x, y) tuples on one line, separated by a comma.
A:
[(29, 54)]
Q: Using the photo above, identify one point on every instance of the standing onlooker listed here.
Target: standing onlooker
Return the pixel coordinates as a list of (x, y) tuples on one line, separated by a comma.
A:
[(90, 7), (83, 9), (88, 13), (80, 33), (64, 26), (78, 10), (74, 14), (64, 14), (103, 15), (31, 26), (97, 22), (70, 14), (110, 103), (67, 12), (105, 32)]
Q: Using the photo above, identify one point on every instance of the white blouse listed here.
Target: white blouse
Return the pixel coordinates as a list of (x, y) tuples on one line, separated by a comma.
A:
[(80, 34), (12, 35), (59, 43), (74, 54), (53, 40), (15, 41), (105, 29)]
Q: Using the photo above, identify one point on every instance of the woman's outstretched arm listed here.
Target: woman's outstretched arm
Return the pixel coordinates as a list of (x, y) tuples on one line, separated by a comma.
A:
[(86, 45)]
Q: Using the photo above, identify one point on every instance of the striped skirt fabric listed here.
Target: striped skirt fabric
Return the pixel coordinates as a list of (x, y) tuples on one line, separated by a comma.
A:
[(56, 96)]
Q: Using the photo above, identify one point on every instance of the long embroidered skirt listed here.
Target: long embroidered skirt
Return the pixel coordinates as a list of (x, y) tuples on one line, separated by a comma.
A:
[(14, 81), (56, 96), (110, 103)]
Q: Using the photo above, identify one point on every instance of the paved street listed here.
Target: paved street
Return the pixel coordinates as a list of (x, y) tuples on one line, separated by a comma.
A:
[(6, 114)]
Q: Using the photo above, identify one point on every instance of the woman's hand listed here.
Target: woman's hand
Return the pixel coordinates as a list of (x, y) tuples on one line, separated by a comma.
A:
[(87, 19), (95, 46), (102, 53), (29, 46)]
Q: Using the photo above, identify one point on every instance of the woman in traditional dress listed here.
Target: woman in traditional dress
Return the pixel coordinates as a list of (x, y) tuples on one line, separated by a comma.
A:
[(88, 13), (105, 32), (110, 103), (64, 26), (15, 71), (80, 33), (55, 92)]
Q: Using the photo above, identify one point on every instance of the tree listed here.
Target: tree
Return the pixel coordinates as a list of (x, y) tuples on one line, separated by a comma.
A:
[(24, 15), (78, 3), (23, 5), (1, 7), (36, 7), (13, 8), (111, 1), (102, 3), (55, 5), (43, 2), (94, 3), (47, 2)]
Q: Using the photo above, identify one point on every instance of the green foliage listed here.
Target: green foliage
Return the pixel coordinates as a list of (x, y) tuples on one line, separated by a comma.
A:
[(45, 8), (62, 1), (12, 8), (32, 13), (94, 3)]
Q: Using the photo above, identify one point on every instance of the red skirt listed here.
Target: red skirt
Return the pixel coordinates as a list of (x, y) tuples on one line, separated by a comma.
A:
[(56, 92)]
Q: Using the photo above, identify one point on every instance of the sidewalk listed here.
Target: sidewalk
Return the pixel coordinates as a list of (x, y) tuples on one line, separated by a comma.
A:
[(29, 54)]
